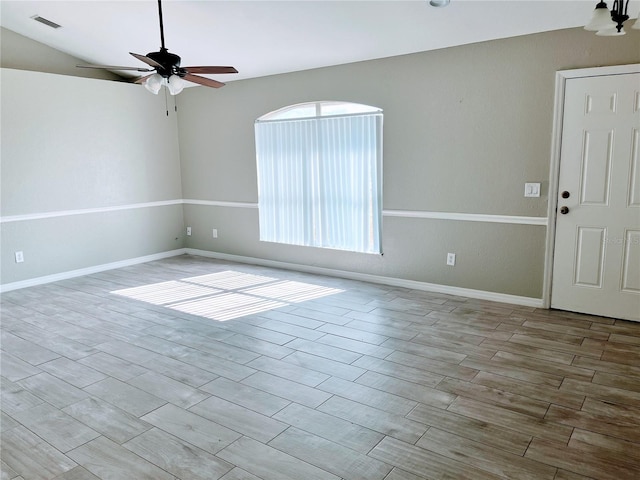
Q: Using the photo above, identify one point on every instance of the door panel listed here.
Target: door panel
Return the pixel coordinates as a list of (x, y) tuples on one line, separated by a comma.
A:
[(597, 247), (595, 174)]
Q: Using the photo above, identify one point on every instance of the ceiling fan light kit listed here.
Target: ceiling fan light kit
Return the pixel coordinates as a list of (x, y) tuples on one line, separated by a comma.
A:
[(610, 23), (168, 72)]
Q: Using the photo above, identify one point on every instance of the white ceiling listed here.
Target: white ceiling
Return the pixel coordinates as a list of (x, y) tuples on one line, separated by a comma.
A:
[(266, 37)]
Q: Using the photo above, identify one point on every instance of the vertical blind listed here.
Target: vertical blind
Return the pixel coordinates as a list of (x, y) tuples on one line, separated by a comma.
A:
[(320, 181)]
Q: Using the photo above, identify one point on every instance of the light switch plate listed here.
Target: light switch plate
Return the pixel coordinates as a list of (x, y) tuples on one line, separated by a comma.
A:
[(451, 259), (531, 189)]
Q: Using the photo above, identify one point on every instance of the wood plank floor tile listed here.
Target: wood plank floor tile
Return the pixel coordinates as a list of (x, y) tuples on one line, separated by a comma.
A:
[(31, 457), (72, 372), (433, 366), (593, 466), (269, 463), (77, 473), (592, 442), (584, 349), (177, 457), (294, 391), (481, 431), (386, 330), (389, 402), (53, 390), (527, 389), (399, 474), (6, 472), (329, 456), (268, 349), (371, 382), (377, 420), (246, 396), (324, 365), (163, 387), (258, 332), (567, 330), (301, 321), (285, 369), (239, 474), (482, 456), (516, 421), (623, 421), (540, 365), (25, 350), (6, 422), (293, 330), (15, 369), (16, 398), (330, 427), (499, 367), (422, 462), (619, 381), (239, 419), (352, 333), (438, 354), (122, 395), (427, 395), (325, 351), (107, 459), (603, 392), (355, 346), (194, 429), (110, 421), (510, 401), (112, 366), (453, 343), (56, 427), (404, 372), (380, 316)]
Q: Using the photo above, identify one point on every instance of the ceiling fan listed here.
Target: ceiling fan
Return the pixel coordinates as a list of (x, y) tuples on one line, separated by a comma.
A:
[(168, 71)]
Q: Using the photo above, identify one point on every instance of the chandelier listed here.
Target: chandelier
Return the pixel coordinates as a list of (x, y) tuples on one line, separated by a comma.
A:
[(610, 23)]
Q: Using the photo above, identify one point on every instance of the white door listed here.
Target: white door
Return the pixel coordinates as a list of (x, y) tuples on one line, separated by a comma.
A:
[(596, 265)]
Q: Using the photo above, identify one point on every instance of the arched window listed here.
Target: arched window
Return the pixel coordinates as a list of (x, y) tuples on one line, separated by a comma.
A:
[(320, 175)]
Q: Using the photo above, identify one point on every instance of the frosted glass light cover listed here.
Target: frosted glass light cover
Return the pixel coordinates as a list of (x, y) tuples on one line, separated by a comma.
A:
[(153, 83), (611, 32), (600, 20), (175, 84)]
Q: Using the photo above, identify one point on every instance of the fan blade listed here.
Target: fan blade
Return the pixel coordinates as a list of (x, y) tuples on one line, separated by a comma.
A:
[(115, 67), (217, 70), (141, 79), (146, 60), (207, 82)]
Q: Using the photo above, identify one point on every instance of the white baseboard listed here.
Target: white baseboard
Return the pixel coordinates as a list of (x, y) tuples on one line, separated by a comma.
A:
[(365, 277), (32, 282)]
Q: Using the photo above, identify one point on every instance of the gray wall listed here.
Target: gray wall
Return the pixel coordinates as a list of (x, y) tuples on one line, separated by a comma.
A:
[(20, 52), (70, 144), (464, 129)]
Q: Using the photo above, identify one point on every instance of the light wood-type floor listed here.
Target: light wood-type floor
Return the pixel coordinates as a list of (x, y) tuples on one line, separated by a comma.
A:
[(192, 368)]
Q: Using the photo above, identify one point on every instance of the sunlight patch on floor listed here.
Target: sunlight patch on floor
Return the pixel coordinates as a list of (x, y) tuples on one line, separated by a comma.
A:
[(226, 295)]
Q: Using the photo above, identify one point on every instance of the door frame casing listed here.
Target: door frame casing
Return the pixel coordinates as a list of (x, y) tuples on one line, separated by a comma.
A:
[(554, 169)]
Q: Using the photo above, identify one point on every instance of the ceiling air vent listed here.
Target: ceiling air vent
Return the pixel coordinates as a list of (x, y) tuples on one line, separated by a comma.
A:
[(46, 22)]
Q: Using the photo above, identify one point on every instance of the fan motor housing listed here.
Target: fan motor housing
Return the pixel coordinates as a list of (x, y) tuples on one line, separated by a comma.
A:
[(170, 62)]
